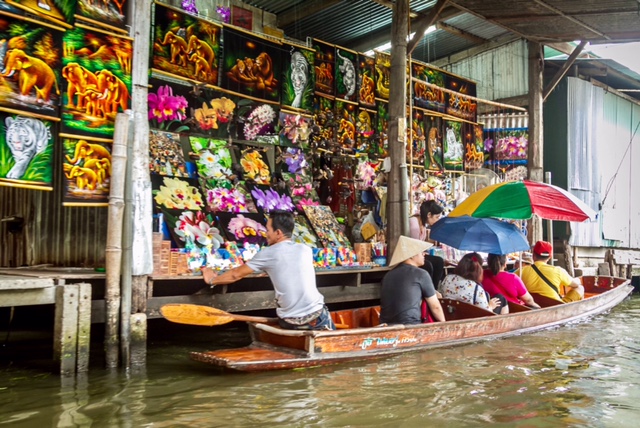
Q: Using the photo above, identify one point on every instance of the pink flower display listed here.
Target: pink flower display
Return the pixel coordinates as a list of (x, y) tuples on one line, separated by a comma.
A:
[(226, 200), (258, 119), (198, 227), (246, 229), (164, 106)]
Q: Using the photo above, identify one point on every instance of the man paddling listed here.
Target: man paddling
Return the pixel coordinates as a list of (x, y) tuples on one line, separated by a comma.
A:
[(406, 287), (546, 280), (290, 268)]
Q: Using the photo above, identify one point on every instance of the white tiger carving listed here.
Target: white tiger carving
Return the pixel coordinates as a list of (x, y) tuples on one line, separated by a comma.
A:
[(26, 137), (348, 71), (299, 77)]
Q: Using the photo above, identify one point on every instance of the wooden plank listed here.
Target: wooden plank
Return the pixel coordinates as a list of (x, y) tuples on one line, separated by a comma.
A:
[(626, 257), (38, 296), (15, 282), (84, 327), (138, 340), (65, 335)]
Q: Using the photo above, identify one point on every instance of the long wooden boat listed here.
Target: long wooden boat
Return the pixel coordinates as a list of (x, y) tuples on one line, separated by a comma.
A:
[(273, 348)]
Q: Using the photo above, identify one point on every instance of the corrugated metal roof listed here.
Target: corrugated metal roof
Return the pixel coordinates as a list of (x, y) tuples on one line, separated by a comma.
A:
[(356, 23)]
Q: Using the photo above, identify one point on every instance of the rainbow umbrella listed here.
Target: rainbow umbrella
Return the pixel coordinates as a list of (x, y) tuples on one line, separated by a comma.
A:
[(519, 200)]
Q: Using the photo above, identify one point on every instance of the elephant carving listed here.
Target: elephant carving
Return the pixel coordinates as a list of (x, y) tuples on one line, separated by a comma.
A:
[(201, 48), (85, 151), (78, 79), (178, 48), (102, 168), (85, 177), (114, 92), (202, 67), (34, 73)]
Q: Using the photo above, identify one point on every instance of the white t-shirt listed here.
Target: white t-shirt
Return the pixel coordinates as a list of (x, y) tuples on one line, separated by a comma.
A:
[(290, 268)]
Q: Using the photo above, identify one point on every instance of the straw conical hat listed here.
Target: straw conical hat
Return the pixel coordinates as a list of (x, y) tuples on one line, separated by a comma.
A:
[(407, 248)]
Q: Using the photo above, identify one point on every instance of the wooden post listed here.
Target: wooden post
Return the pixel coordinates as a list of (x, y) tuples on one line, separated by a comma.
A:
[(113, 252), (142, 263), (568, 260), (398, 186), (84, 327), (138, 340), (65, 331), (536, 131)]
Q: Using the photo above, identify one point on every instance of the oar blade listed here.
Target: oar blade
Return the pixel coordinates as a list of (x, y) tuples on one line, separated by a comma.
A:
[(195, 314)]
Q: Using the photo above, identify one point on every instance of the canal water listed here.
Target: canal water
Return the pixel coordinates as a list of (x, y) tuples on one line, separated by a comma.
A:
[(584, 374)]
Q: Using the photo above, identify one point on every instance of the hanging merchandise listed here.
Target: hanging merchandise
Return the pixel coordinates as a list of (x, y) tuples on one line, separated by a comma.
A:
[(427, 96), (383, 72), (453, 148), (295, 129), (324, 66), (165, 154), (346, 74), (87, 171), (434, 127), (346, 119), (110, 15), (366, 79)]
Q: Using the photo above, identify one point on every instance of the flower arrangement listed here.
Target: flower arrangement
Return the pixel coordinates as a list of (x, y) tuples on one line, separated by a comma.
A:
[(255, 168), (198, 227), (512, 146), (190, 6), (247, 230), (270, 200), (365, 175), (302, 235), (178, 194), (295, 128), (224, 13), (258, 120), (227, 200), (216, 166), (166, 108)]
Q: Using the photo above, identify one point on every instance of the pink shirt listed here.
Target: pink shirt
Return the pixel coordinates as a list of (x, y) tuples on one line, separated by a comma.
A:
[(414, 229), (505, 283)]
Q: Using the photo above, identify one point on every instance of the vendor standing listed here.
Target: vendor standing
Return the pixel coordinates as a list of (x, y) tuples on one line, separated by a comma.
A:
[(419, 227)]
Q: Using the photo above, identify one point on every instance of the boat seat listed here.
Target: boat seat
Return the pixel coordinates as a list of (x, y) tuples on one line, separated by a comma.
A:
[(455, 310), (515, 307), (545, 301)]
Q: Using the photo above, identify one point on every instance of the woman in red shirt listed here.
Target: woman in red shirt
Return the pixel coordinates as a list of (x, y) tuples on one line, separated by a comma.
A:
[(496, 280)]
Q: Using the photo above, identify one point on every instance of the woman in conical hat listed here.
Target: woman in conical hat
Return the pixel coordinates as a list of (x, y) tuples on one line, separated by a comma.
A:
[(405, 287)]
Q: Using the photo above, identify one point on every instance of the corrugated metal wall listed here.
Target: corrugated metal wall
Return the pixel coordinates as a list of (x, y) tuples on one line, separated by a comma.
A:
[(52, 234), (501, 73)]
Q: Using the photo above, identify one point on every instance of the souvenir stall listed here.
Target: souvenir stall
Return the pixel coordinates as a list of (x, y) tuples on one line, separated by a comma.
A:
[(268, 124)]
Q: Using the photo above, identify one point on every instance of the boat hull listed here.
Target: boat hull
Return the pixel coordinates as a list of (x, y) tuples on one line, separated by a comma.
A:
[(273, 348)]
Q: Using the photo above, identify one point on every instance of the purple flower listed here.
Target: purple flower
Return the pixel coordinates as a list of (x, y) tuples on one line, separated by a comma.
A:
[(488, 144), (272, 200), (294, 158)]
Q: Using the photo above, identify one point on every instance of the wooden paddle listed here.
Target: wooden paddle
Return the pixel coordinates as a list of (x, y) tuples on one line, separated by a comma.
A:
[(205, 315), (184, 313)]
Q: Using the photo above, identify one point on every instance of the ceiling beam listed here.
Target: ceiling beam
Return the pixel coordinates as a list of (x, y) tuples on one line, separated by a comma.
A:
[(383, 35), (461, 33), (565, 67), (542, 16), (311, 7), (423, 23), (476, 50), (570, 18)]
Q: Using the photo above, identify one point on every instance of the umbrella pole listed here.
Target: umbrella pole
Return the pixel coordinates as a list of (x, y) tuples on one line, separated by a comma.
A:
[(547, 179)]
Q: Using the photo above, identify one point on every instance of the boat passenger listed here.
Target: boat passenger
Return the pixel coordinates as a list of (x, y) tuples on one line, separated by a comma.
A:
[(419, 225), (465, 285), (405, 287), (546, 280), (496, 280), (290, 268)]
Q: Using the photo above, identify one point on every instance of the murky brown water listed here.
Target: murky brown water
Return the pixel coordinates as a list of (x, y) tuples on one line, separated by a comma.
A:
[(580, 375)]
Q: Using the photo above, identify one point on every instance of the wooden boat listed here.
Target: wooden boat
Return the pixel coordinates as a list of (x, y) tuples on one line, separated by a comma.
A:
[(273, 348)]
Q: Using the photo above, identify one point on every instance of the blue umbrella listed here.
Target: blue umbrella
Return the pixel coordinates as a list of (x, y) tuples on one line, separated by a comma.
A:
[(486, 235)]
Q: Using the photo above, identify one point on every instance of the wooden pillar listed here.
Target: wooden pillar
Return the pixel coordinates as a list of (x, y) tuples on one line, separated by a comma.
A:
[(536, 130), (398, 186), (65, 330)]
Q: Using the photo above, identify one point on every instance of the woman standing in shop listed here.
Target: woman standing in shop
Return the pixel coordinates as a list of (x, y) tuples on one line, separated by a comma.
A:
[(419, 225)]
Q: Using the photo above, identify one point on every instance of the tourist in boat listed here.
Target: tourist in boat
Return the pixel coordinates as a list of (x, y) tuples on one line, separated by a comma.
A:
[(547, 280), (405, 287), (496, 280), (465, 285), (419, 225), (290, 268)]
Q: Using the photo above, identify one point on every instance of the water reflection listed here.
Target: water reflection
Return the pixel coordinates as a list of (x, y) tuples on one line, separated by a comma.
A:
[(583, 374)]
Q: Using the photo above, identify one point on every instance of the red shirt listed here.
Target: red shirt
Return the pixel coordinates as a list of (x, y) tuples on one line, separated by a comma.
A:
[(506, 283)]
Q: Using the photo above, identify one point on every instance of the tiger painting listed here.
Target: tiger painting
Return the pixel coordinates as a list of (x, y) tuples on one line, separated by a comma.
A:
[(26, 137)]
